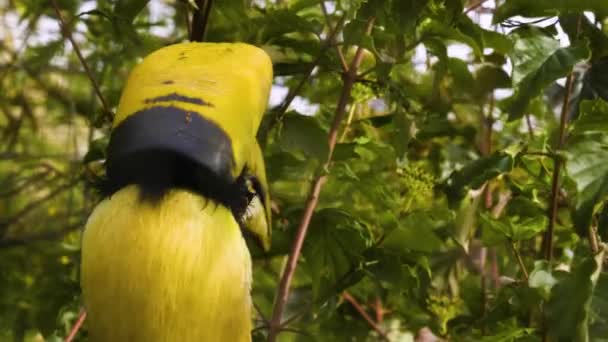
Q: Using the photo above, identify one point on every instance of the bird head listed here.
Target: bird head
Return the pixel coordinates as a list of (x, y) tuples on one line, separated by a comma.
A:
[(188, 117)]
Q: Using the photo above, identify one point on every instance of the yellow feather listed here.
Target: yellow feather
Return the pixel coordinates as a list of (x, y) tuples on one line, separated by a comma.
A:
[(175, 270)]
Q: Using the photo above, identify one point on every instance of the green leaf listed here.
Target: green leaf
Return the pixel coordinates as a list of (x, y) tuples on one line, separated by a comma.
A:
[(333, 247), (490, 77), (303, 133), (414, 233), (477, 172), (129, 9), (593, 118), (556, 65), (548, 8), (466, 219), (515, 228), (513, 334), (587, 167), (432, 29), (532, 47), (568, 309)]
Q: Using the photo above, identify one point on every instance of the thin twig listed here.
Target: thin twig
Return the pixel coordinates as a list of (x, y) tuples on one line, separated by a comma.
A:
[(259, 312), (68, 35), (81, 317), (333, 37), (33, 205), (557, 165), (280, 112), (530, 127), (520, 261), (46, 236), (313, 198), (365, 315), (547, 242)]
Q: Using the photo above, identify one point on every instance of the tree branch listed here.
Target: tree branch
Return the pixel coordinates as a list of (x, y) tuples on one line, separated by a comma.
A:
[(365, 315), (68, 35), (81, 317), (331, 38), (200, 20), (283, 292), (547, 244)]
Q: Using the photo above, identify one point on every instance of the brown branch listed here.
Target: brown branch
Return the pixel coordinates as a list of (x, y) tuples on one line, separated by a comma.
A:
[(475, 6), (200, 20), (313, 198), (365, 315), (547, 244), (81, 317), (333, 37), (68, 35)]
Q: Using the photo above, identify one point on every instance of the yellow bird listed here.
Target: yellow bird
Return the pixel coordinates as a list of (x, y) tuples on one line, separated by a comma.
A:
[(163, 255)]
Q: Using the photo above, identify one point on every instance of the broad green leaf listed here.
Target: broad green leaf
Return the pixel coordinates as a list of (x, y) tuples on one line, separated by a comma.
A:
[(414, 233), (593, 118), (466, 219), (477, 172), (333, 247), (127, 10), (434, 29), (489, 77), (484, 38), (587, 167), (515, 228), (548, 8), (595, 80), (303, 133), (555, 66), (568, 310), (513, 334), (532, 47)]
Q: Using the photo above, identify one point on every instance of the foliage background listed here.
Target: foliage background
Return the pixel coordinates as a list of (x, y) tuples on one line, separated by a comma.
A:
[(449, 172)]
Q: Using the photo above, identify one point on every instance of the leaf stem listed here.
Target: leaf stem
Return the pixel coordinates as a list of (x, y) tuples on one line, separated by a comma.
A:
[(283, 292)]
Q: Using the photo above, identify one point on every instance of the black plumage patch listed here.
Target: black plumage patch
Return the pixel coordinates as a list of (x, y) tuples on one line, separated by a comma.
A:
[(164, 148)]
